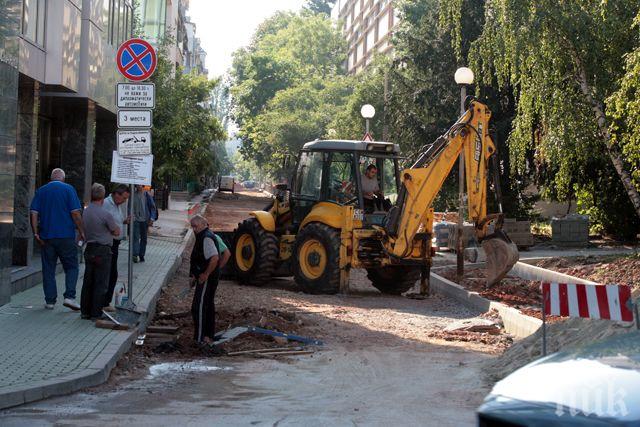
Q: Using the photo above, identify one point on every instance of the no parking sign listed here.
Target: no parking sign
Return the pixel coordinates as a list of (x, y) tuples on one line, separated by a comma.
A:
[(136, 59)]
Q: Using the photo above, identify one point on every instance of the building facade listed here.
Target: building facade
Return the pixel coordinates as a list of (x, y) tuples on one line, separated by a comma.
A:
[(367, 26), (169, 18), (57, 105)]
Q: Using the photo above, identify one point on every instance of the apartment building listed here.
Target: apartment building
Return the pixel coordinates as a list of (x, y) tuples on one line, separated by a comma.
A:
[(57, 105), (169, 18), (194, 55), (367, 26)]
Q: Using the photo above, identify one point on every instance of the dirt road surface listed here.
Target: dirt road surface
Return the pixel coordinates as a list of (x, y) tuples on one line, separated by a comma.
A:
[(386, 360)]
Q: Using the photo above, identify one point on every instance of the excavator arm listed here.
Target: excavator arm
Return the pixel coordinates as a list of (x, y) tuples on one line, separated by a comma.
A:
[(424, 179)]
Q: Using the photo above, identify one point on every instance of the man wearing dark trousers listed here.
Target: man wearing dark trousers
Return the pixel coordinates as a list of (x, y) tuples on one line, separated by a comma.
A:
[(55, 216), (100, 228), (206, 261), (116, 204)]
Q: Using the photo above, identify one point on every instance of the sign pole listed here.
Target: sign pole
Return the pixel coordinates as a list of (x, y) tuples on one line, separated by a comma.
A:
[(130, 263), (136, 60)]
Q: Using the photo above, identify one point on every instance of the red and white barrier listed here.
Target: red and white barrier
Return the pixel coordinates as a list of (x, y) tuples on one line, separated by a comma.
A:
[(589, 301)]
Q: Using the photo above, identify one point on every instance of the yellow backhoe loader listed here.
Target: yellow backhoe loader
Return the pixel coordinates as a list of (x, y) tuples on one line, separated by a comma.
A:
[(322, 226)]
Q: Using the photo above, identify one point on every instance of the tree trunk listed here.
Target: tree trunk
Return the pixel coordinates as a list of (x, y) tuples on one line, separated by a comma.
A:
[(613, 151)]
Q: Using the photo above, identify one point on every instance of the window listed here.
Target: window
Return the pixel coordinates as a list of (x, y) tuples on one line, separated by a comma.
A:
[(113, 21), (389, 183), (33, 22), (386, 175), (371, 35), (122, 23), (383, 25), (153, 18), (342, 181), (309, 178), (106, 19)]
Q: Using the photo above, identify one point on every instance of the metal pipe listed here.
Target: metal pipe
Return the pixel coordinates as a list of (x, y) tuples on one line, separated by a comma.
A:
[(460, 242)]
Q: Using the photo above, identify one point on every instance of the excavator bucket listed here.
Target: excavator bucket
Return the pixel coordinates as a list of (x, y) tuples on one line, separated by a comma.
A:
[(502, 254)]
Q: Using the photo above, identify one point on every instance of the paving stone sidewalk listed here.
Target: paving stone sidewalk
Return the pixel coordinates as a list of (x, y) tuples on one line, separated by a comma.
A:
[(52, 352)]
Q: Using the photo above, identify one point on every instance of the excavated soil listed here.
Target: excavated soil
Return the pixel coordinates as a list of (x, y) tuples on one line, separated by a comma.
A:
[(226, 210), (621, 270), (513, 291)]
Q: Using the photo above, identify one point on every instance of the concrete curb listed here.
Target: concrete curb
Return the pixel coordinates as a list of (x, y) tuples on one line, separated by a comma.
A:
[(515, 323), (101, 367), (533, 272)]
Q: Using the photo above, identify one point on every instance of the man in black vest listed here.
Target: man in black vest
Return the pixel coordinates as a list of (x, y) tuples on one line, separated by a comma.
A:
[(206, 261)]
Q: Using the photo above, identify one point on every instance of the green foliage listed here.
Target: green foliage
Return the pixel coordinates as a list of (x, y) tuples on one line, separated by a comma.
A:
[(184, 128), (320, 6), (624, 110), (562, 61), (286, 86), (246, 169)]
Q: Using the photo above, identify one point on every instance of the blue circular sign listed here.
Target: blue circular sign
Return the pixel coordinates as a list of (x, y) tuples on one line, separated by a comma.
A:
[(136, 59)]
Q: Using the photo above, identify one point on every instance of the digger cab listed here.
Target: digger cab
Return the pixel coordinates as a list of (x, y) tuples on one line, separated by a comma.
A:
[(336, 172)]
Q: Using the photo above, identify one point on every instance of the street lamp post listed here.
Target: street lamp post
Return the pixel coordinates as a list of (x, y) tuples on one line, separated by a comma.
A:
[(367, 111), (463, 77)]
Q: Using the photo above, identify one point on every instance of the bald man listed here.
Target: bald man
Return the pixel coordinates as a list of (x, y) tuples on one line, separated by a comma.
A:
[(209, 255), (55, 217)]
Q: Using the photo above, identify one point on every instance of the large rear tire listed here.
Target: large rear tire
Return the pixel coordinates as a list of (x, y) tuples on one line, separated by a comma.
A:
[(316, 262), (255, 253), (393, 280)]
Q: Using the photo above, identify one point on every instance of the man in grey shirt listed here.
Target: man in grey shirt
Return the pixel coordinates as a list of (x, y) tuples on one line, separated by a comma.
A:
[(116, 205), (100, 228)]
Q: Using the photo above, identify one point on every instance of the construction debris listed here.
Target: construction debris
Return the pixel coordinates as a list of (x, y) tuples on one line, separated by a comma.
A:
[(474, 325), (178, 315)]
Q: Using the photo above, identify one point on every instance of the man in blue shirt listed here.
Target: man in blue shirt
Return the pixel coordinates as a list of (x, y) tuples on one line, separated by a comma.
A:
[(55, 216)]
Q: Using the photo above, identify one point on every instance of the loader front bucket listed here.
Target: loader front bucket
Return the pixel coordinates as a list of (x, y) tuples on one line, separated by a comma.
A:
[(501, 253)]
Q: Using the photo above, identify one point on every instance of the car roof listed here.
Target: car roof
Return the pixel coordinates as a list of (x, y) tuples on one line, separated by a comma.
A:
[(351, 145)]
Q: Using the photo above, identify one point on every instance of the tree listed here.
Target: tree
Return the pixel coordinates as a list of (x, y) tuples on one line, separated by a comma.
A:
[(320, 6), (184, 128), (285, 85), (562, 61)]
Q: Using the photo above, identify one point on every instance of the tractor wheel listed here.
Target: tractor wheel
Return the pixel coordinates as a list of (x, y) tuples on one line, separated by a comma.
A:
[(316, 259), (393, 280), (255, 253)]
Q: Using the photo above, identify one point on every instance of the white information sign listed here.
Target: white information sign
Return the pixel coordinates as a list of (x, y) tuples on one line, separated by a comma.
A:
[(136, 95), (134, 118), (134, 142), (131, 170)]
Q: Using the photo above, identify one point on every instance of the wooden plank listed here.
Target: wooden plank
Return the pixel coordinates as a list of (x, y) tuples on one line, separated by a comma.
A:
[(107, 324), (263, 350), (286, 353), (163, 329), (156, 335)]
